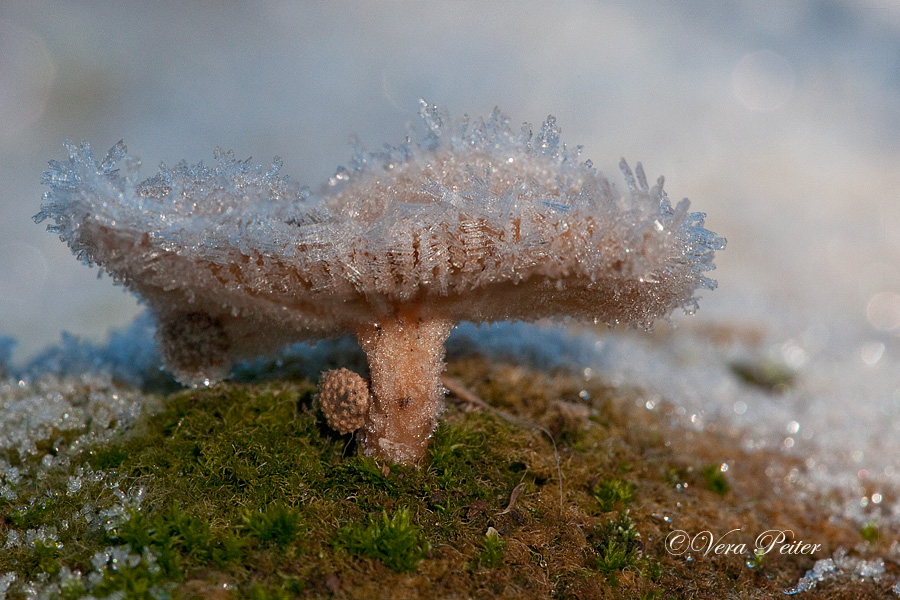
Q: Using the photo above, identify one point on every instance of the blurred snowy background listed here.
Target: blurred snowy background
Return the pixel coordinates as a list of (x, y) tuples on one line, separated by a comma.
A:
[(781, 120)]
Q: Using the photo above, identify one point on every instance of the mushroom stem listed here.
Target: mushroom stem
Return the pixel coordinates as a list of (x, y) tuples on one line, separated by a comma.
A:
[(406, 359)]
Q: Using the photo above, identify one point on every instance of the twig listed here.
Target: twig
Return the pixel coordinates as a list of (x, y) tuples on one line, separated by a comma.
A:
[(456, 387), (512, 499)]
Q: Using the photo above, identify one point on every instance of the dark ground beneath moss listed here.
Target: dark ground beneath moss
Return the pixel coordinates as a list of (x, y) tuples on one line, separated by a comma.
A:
[(248, 495)]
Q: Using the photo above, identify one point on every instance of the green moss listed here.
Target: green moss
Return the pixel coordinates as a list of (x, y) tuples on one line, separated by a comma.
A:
[(106, 458), (393, 540), (261, 592), (45, 557), (714, 479), (176, 537), (32, 517), (770, 376), (277, 525), (617, 545), (246, 479), (870, 532), (244, 485), (756, 560), (613, 493), (491, 554), (138, 581), (613, 556)]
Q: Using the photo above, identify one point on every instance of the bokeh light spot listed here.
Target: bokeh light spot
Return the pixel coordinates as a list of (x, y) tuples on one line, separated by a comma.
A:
[(883, 311)]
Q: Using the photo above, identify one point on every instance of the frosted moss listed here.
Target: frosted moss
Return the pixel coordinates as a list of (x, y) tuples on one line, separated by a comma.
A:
[(466, 221)]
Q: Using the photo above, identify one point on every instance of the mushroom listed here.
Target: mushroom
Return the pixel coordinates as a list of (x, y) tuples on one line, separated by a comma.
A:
[(471, 221)]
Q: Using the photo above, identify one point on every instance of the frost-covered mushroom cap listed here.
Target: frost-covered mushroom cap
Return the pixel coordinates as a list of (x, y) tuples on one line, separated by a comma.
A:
[(470, 220), (483, 223)]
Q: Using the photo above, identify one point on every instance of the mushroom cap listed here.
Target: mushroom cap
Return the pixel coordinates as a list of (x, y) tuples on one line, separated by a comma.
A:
[(467, 220)]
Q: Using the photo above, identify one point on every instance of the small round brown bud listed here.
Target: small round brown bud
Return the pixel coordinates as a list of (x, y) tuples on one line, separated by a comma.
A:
[(344, 398)]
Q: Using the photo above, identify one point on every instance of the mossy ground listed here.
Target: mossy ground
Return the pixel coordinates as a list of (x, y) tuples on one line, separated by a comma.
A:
[(247, 494)]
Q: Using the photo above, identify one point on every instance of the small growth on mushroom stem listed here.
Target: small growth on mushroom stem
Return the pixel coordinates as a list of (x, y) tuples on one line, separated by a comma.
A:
[(344, 398), (467, 220)]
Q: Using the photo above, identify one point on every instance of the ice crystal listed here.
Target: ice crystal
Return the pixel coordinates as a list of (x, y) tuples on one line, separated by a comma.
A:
[(61, 416), (466, 221), (840, 566), (103, 565), (5, 581), (88, 409)]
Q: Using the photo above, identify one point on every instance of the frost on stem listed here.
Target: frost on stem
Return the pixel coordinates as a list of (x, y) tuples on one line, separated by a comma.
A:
[(466, 220), (406, 358)]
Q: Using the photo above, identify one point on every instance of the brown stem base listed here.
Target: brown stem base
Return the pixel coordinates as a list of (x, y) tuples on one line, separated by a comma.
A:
[(406, 359)]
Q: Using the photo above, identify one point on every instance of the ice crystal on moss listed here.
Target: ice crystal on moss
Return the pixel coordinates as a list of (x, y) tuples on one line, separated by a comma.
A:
[(5, 581), (840, 567), (467, 220), (52, 419)]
